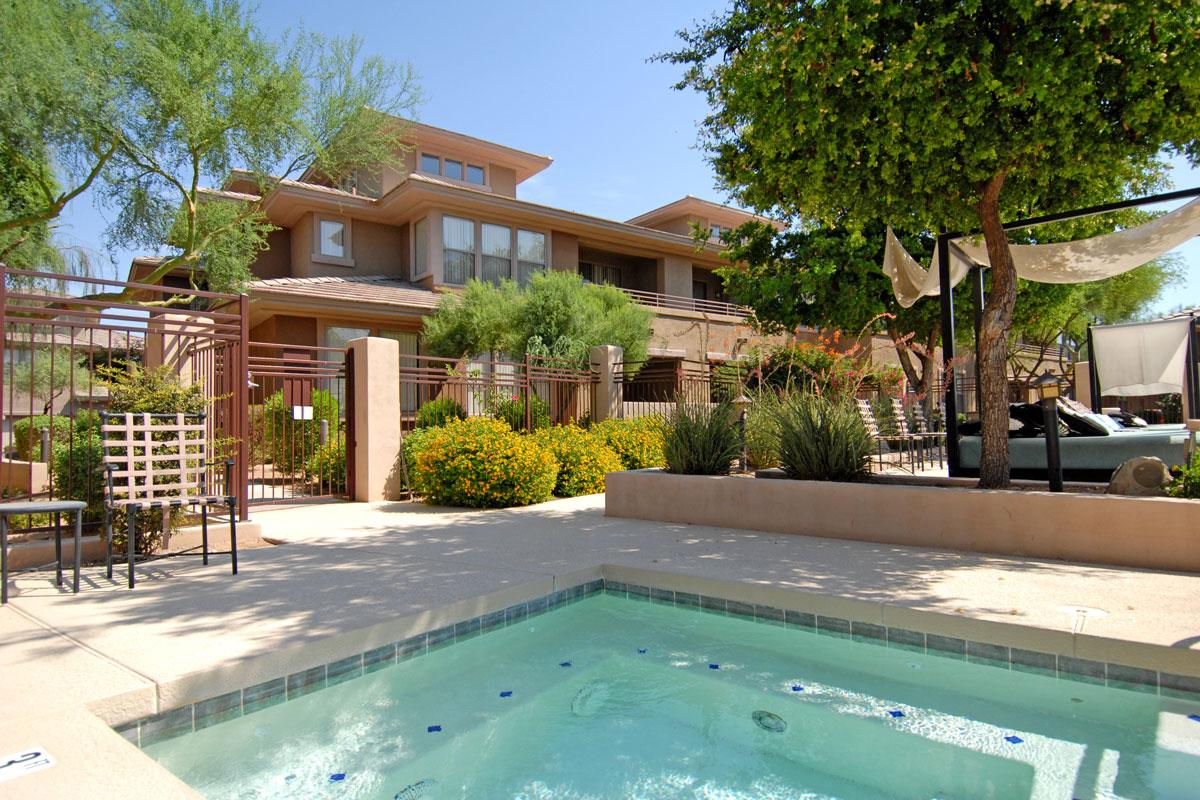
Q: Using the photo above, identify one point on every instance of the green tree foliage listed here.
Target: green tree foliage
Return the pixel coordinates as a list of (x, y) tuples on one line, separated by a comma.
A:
[(156, 98), (556, 315), (951, 116), (48, 373)]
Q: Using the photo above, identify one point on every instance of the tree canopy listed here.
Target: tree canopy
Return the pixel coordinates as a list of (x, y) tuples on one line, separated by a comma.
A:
[(556, 315), (154, 99), (946, 116)]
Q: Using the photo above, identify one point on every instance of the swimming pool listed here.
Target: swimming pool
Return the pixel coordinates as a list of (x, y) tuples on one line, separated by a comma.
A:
[(613, 698)]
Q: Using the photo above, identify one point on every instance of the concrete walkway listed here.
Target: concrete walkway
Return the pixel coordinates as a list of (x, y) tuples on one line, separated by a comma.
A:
[(343, 570)]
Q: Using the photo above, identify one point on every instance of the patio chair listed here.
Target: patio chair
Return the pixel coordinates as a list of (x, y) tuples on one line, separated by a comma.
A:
[(929, 435), (158, 461), (868, 418)]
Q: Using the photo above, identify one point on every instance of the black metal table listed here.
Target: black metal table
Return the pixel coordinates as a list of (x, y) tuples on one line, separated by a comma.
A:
[(55, 507)]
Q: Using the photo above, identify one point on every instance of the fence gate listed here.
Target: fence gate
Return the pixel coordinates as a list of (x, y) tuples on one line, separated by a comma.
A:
[(299, 408)]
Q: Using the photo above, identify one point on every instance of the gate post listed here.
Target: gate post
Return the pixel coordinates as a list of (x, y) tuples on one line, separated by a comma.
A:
[(606, 361), (241, 399), (376, 444)]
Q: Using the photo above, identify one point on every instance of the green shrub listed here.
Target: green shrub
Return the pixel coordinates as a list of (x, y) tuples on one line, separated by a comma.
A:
[(438, 412), (482, 463), (327, 466), (885, 416), (414, 443), (822, 439), (583, 460), (27, 434), (510, 408), (1187, 481), (151, 391), (290, 442), (637, 441), (701, 439), (762, 428)]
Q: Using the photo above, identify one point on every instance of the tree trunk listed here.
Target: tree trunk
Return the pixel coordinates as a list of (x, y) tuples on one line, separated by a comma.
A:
[(993, 341)]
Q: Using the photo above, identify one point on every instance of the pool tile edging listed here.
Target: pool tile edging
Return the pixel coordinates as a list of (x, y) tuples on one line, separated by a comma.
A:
[(239, 702)]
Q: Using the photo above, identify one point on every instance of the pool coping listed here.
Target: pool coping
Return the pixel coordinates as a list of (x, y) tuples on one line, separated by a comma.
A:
[(1058, 654)]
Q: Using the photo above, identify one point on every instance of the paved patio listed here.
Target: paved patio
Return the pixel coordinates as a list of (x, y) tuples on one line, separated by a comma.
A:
[(344, 570)]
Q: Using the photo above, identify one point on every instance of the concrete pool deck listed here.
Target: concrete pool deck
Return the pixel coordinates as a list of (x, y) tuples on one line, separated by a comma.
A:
[(347, 575)]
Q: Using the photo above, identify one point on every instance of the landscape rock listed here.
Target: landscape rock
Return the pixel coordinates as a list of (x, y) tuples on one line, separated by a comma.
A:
[(1144, 476)]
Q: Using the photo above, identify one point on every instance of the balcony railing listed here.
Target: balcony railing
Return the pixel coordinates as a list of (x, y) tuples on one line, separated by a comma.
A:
[(656, 300)]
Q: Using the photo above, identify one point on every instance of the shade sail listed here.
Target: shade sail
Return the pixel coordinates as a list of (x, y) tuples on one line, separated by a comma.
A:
[(1141, 358), (1081, 261)]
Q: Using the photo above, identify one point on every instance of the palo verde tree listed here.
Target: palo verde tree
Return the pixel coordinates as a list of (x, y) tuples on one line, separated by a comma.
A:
[(190, 90), (951, 115)]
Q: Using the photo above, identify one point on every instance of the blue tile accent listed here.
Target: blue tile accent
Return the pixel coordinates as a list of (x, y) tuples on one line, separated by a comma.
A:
[(337, 777), (797, 687), (343, 670), (1033, 661), (717, 605), (1183, 687), (264, 695), (536, 606), (800, 619), (1132, 678), (558, 598), (492, 621), (637, 592), (433, 729), (516, 614), (896, 713), (946, 645), (439, 638), (687, 599), (992, 655), (130, 731), (379, 658), (1013, 739), (736, 608), (663, 596), (906, 639), (218, 709), (866, 631), (305, 682), (506, 693), (769, 615), (166, 725), (641, 650), (1081, 669), (714, 666), (468, 629), (615, 588), (412, 647), (833, 626)]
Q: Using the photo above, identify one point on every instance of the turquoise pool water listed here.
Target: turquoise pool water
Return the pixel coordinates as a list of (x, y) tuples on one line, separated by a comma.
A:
[(612, 698)]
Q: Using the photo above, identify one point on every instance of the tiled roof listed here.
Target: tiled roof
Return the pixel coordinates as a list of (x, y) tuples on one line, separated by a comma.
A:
[(380, 290)]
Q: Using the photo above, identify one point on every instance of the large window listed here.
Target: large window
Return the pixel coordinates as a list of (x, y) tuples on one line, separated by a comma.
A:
[(458, 249), (332, 238), (496, 241), (475, 174), (431, 164), (699, 290), (454, 168), (531, 255), (421, 247), (600, 273)]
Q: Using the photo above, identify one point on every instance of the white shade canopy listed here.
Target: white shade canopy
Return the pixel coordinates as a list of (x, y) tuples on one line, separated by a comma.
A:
[(1080, 261), (1141, 358)]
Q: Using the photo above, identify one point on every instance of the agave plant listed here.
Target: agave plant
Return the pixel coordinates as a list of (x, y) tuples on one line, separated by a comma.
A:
[(822, 439), (701, 439)]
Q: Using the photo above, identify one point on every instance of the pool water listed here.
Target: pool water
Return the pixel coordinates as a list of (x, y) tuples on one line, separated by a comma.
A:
[(613, 698)]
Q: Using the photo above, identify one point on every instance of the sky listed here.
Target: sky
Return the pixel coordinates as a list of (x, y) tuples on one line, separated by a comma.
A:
[(568, 79)]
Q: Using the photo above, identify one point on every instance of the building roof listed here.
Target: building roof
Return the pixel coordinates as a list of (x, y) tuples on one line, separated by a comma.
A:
[(690, 205), (375, 290)]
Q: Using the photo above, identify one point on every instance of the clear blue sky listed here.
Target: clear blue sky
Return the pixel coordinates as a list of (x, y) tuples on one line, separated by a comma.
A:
[(566, 79)]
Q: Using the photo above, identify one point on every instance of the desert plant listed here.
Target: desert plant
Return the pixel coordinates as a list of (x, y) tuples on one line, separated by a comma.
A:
[(637, 441), (327, 466), (583, 460), (1186, 481), (701, 439), (290, 442), (822, 439), (157, 391), (438, 412), (27, 434), (482, 463), (762, 428), (885, 416), (510, 408), (77, 468)]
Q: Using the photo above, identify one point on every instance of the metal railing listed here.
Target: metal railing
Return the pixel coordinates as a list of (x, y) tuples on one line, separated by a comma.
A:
[(657, 300), (657, 385)]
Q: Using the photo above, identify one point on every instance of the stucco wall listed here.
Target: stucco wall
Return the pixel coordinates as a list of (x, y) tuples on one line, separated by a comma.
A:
[(698, 334), (375, 249), (301, 241), (503, 179), (1154, 533), (276, 260), (564, 251), (675, 276)]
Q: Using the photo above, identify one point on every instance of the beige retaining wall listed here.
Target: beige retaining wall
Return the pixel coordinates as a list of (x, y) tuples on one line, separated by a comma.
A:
[(1156, 533)]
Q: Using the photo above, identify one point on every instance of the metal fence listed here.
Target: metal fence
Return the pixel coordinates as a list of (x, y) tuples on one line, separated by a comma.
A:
[(527, 394), (299, 412), (61, 351), (657, 385)]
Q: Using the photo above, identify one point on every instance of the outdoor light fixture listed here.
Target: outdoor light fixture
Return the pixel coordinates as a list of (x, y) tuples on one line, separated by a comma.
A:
[(741, 403), (1048, 390)]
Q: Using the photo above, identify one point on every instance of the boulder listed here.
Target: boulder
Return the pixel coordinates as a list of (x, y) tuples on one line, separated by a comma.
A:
[(1144, 476)]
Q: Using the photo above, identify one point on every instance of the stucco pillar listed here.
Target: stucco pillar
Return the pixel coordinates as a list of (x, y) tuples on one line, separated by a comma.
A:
[(606, 361), (675, 276), (376, 447), (168, 341), (1083, 383)]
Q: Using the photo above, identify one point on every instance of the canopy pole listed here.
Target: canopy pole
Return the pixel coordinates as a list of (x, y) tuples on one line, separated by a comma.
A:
[(1193, 369), (977, 300), (1093, 372), (946, 296)]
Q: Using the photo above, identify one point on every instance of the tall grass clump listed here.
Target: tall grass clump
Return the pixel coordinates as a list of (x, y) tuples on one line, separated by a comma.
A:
[(701, 439), (762, 428), (822, 439)]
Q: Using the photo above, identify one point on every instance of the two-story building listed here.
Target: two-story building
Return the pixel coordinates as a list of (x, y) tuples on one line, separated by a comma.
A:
[(374, 254)]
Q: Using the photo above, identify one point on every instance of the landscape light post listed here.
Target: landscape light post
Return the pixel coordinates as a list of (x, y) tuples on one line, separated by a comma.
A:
[(1048, 392), (741, 403)]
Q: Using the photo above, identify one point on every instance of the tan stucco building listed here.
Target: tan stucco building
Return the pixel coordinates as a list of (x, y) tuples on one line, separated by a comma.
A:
[(374, 254)]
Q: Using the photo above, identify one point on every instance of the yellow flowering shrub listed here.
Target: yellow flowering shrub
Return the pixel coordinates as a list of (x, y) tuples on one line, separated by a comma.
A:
[(638, 441), (583, 459), (482, 463)]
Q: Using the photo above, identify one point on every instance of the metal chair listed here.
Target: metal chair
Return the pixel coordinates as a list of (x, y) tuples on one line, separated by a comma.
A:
[(929, 434), (868, 418), (158, 461)]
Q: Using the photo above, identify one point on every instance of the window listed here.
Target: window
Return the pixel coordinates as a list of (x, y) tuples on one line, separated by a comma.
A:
[(496, 241), (421, 247), (452, 169), (458, 249), (332, 238), (699, 290), (475, 174), (431, 164), (531, 255), (409, 347), (600, 273), (716, 231)]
